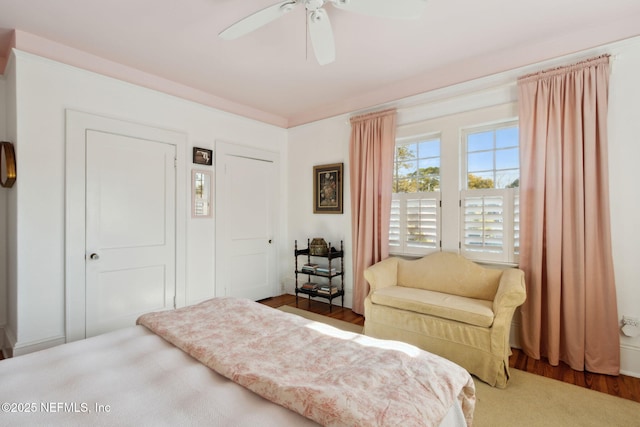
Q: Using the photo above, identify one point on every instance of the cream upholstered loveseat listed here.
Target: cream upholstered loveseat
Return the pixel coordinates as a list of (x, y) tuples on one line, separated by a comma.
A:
[(449, 306)]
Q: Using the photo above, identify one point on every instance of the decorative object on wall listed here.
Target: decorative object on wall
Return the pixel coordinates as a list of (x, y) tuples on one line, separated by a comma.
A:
[(327, 188), (7, 164), (202, 156), (201, 201)]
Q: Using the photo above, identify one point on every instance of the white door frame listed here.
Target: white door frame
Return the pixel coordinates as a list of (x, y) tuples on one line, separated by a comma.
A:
[(77, 123), (224, 148)]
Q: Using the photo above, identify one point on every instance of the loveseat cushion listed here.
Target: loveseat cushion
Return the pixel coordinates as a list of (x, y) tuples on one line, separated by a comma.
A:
[(462, 309), (451, 273)]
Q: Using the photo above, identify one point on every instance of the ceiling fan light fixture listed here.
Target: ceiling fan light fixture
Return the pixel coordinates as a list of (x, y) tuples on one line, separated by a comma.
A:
[(317, 15), (319, 25)]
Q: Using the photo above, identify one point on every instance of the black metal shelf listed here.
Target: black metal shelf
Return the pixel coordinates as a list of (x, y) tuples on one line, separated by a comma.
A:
[(329, 256)]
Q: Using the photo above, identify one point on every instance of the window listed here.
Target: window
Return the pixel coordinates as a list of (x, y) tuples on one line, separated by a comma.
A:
[(415, 205), (489, 203), (456, 182), (493, 157)]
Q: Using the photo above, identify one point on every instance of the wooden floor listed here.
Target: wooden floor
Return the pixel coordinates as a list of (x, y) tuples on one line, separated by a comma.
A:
[(622, 386)]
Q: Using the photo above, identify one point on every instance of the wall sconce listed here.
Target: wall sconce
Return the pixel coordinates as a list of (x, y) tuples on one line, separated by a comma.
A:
[(7, 164)]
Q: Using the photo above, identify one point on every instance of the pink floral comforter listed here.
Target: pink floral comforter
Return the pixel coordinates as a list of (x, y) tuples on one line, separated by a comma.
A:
[(333, 377)]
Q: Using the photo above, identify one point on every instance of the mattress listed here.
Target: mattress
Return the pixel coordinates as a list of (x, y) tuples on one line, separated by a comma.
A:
[(133, 377)]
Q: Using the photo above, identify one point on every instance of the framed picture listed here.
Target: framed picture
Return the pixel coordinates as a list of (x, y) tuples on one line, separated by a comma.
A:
[(202, 156), (327, 189)]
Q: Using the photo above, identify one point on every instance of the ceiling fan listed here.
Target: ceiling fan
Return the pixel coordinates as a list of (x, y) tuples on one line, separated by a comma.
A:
[(319, 26)]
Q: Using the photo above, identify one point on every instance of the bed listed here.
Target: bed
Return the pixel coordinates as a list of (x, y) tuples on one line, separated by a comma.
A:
[(234, 362)]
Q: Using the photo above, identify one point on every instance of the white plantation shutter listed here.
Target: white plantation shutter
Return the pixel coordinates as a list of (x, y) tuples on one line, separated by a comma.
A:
[(415, 223), (395, 225), (483, 223), (422, 222), (487, 221)]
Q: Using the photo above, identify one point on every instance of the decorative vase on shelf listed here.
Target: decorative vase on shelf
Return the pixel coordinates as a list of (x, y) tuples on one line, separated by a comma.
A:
[(318, 247)]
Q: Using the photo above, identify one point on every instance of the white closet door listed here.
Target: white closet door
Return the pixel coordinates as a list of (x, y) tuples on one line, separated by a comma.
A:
[(130, 229), (245, 250)]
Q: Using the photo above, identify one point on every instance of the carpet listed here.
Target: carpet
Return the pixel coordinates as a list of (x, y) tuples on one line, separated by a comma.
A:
[(531, 400), (345, 326)]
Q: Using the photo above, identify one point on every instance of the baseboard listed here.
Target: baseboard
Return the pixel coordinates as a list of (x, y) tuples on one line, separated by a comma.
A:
[(630, 360), (8, 341), (19, 349)]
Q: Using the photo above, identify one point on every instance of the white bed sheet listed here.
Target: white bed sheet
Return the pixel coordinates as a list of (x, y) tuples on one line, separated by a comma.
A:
[(133, 377), (144, 380)]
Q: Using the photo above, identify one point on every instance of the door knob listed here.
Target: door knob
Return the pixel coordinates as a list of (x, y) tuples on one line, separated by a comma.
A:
[(94, 256)]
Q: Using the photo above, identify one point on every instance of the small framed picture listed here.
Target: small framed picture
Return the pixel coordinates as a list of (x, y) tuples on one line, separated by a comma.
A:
[(202, 156), (327, 189)]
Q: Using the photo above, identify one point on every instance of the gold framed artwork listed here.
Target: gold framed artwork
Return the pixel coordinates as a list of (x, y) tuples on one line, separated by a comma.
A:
[(327, 188)]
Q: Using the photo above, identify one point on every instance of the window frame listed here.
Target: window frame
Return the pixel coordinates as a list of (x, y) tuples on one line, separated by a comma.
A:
[(510, 195), (467, 130), (404, 246)]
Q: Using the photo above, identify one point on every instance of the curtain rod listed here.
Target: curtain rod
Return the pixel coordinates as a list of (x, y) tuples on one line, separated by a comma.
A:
[(373, 115), (538, 75)]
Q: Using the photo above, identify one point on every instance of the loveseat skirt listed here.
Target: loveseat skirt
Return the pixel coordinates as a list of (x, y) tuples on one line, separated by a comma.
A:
[(467, 345)]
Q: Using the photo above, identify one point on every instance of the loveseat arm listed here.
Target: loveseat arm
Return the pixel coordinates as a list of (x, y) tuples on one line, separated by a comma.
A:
[(511, 291), (382, 274)]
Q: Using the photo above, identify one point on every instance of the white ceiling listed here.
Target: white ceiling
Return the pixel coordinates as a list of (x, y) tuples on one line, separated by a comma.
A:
[(273, 70)]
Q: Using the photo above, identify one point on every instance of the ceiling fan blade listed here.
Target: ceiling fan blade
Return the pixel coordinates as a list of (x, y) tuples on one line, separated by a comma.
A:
[(257, 20), (404, 9), (321, 36)]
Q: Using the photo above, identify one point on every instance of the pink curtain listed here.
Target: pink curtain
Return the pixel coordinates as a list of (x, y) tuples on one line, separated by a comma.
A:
[(371, 151), (565, 243)]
